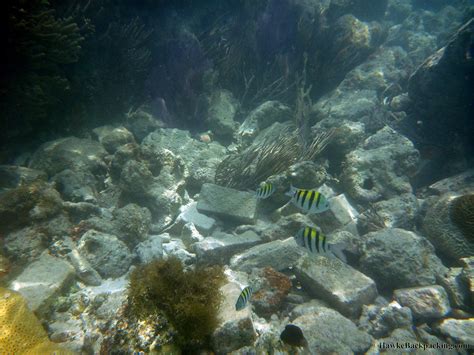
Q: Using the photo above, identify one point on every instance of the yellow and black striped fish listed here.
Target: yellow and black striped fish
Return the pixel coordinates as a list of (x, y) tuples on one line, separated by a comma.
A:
[(244, 298), (317, 243), (310, 201), (265, 190)]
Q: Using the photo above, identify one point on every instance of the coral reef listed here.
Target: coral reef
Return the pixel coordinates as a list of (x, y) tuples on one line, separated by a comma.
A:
[(190, 299), (20, 331), (462, 214)]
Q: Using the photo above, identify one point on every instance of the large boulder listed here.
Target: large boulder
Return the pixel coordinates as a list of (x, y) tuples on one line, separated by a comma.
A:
[(327, 331), (381, 168), (396, 258), (228, 204), (337, 283), (426, 303), (113, 137)]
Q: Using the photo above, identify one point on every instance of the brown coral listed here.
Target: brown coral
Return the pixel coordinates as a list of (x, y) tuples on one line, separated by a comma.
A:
[(462, 215)]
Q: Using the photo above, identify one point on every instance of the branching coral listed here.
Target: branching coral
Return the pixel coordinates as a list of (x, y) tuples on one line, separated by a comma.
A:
[(190, 299)]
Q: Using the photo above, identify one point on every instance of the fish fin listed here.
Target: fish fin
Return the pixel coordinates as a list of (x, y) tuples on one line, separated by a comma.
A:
[(338, 251), (291, 192)]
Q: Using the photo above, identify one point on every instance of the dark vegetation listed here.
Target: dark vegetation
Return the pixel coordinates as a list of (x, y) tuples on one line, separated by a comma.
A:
[(73, 65), (189, 298)]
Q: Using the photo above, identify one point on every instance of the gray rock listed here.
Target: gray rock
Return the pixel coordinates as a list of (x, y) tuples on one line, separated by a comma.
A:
[(327, 331), (227, 203), (310, 307), (84, 271), (177, 248), (426, 303), (220, 246), (106, 253), (150, 249), (12, 176), (190, 235), (439, 227), (455, 286), (395, 343), (268, 113), (459, 182), (336, 282), (380, 321), (68, 331), (113, 137), (220, 116), (136, 178), (69, 153), (363, 9), (396, 258), (381, 168), (190, 214), (76, 186), (236, 329), (467, 276), (132, 223), (460, 330), (78, 211), (278, 254), (25, 245), (42, 281), (141, 123)]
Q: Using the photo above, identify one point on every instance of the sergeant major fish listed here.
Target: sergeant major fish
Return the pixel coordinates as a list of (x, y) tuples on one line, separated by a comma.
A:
[(244, 298), (310, 201), (316, 243), (265, 190)]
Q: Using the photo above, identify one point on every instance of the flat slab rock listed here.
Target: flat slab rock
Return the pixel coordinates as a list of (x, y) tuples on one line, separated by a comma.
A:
[(236, 329), (328, 332), (226, 203), (336, 282), (278, 254), (461, 330), (43, 280), (219, 247)]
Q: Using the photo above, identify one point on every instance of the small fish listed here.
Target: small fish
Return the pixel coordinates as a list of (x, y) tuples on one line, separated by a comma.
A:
[(293, 335), (244, 298), (265, 190), (310, 201), (316, 242)]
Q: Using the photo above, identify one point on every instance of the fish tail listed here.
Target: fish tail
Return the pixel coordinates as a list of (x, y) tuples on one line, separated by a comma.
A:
[(338, 251)]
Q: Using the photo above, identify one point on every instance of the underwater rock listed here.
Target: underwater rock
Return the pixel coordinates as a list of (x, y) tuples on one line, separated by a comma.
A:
[(228, 204), (113, 137), (441, 94), (220, 246), (189, 214), (76, 186), (336, 282), (380, 321), (42, 281), (149, 249), (106, 253), (362, 9), (25, 244), (221, 112), (396, 212), (408, 260), (70, 153), (455, 286), (236, 329), (268, 113), (278, 254), (426, 303), (84, 271), (327, 331), (468, 276), (177, 248), (132, 222), (389, 343), (271, 288), (341, 215), (142, 123), (12, 176), (459, 330), (381, 168), (441, 228), (459, 182), (68, 331)]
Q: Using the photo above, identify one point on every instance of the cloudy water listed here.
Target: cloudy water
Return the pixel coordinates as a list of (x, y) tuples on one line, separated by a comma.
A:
[(237, 177)]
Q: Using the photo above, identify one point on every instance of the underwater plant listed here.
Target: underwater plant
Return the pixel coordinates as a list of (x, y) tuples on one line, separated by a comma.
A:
[(190, 299)]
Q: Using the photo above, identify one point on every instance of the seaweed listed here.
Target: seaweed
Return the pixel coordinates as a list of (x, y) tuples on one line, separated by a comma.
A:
[(190, 299)]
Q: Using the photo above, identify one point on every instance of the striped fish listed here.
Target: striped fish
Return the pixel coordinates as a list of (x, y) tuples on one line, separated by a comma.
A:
[(310, 201), (316, 243), (265, 190), (244, 298)]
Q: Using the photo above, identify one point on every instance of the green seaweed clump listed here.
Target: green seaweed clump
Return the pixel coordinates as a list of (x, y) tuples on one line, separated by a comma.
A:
[(189, 298), (462, 215)]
